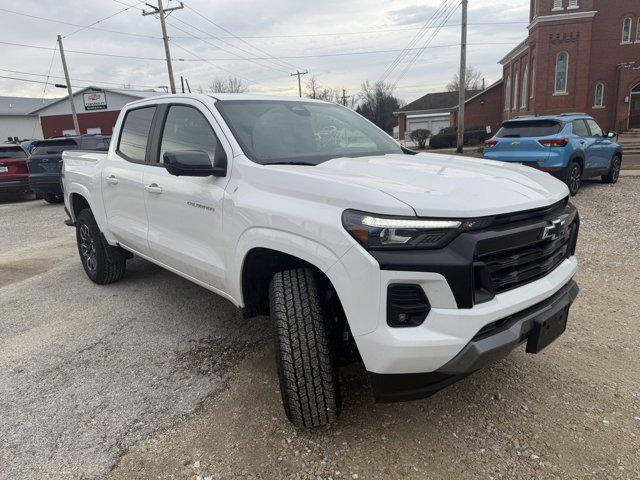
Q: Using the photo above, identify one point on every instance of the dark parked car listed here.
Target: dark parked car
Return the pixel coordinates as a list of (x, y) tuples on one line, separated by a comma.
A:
[(45, 162), (447, 137), (14, 176)]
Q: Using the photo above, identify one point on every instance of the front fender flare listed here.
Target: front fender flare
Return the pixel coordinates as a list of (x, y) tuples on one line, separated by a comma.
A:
[(292, 244)]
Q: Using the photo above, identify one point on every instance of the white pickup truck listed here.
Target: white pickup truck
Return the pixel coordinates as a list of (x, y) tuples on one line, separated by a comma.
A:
[(425, 267)]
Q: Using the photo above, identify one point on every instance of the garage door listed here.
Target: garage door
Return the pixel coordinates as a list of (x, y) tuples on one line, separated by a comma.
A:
[(433, 124)]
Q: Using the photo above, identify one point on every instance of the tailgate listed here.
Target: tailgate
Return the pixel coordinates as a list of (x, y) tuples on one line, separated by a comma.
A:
[(13, 168), (517, 150), (45, 164)]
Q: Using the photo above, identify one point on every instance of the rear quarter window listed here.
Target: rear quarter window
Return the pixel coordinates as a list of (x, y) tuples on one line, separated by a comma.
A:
[(134, 135), (534, 128)]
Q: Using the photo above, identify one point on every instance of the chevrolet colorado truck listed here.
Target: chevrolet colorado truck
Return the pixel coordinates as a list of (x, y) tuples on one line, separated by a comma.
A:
[(424, 267)]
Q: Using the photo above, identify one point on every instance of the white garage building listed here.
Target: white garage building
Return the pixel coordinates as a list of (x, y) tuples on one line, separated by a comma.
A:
[(431, 112), (16, 120)]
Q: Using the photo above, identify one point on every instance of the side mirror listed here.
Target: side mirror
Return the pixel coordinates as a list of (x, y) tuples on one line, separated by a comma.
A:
[(611, 134), (194, 163)]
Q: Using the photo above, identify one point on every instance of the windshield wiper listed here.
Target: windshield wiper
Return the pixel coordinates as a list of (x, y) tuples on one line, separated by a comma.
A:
[(292, 162)]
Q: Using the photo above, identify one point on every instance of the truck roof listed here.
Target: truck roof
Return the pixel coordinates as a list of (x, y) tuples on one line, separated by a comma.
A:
[(228, 97)]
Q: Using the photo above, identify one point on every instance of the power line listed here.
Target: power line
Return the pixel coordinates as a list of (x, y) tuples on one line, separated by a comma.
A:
[(390, 68), (320, 55), (253, 60), (27, 80), (213, 64), (62, 22), (359, 32), (90, 82), (287, 64), (417, 54), (102, 19)]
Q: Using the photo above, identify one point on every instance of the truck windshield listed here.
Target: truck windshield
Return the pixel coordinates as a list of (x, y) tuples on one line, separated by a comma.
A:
[(308, 133), (534, 128)]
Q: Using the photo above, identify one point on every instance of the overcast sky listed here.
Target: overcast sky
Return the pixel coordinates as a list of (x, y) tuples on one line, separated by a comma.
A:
[(341, 42)]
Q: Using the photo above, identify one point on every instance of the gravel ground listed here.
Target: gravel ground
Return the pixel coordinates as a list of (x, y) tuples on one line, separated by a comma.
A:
[(154, 377)]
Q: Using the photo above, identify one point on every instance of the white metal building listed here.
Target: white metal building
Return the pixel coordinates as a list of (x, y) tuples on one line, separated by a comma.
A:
[(16, 120)]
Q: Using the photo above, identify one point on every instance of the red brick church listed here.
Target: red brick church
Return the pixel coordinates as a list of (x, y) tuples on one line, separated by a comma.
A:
[(579, 56)]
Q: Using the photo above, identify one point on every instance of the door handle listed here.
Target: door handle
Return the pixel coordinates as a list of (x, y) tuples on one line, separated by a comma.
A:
[(111, 179), (153, 188)]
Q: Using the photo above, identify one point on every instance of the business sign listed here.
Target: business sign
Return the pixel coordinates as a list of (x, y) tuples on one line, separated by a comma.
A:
[(95, 101)]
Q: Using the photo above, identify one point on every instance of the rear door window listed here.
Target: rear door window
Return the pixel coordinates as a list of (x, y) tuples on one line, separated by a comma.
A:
[(134, 136), (580, 128), (533, 128), (12, 152), (50, 147)]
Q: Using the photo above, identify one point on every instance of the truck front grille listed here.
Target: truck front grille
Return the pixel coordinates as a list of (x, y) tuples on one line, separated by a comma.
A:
[(503, 270)]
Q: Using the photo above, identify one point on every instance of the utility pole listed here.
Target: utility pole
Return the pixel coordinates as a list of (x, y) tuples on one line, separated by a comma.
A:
[(299, 74), (160, 11), (344, 97), (462, 80), (76, 125)]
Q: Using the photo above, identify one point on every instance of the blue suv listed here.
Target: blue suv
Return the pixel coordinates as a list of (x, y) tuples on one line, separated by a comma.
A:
[(570, 147)]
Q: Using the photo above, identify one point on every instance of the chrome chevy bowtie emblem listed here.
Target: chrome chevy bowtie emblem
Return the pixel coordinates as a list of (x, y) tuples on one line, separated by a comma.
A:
[(554, 230), (515, 143)]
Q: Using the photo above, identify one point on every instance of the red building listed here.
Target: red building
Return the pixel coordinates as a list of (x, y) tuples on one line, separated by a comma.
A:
[(580, 56), (97, 110)]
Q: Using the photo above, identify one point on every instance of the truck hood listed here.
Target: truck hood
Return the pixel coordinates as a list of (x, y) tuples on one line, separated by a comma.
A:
[(437, 185)]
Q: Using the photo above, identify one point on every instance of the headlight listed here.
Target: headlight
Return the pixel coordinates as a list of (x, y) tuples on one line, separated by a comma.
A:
[(377, 232)]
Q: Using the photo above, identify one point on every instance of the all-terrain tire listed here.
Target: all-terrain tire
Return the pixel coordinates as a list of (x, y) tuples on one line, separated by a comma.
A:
[(614, 170), (304, 352), (102, 263), (53, 198)]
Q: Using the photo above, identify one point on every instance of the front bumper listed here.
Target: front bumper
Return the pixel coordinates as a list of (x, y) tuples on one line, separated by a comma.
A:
[(447, 329), (483, 349)]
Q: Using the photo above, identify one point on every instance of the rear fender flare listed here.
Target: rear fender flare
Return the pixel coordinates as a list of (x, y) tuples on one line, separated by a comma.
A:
[(96, 208)]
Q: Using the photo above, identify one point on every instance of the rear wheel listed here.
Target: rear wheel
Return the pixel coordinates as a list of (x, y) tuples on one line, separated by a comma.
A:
[(102, 263), (304, 353), (614, 170), (574, 177), (53, 198)]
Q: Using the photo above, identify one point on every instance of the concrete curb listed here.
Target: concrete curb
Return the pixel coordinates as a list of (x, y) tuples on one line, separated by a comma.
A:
[(630, 173)]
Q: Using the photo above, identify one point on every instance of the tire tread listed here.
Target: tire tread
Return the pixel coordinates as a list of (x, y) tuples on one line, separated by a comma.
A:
[(304, 354)]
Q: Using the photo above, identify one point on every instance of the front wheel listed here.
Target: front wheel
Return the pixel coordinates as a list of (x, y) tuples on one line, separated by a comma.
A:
[(614, 170), (100, 264), (574, 178), (304, 353)]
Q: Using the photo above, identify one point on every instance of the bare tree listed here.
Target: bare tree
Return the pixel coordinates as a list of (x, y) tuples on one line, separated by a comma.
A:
[(377, 104), (317, 91), (227, 85), (473, 80)]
